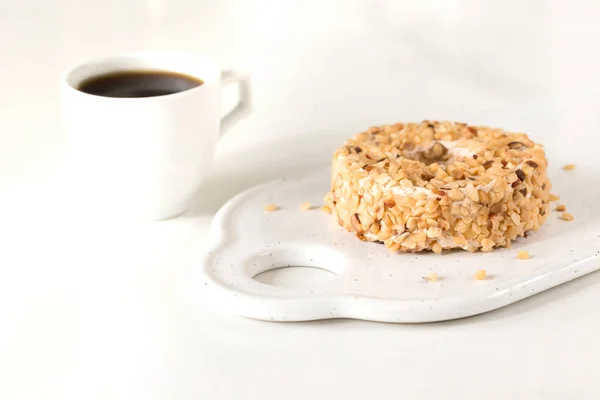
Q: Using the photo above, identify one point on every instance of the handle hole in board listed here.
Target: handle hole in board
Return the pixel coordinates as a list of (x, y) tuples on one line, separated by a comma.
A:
[(299, 266), (295, 276)]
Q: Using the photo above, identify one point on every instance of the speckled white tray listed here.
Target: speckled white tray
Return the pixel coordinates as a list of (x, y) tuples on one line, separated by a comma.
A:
[(372, 283)]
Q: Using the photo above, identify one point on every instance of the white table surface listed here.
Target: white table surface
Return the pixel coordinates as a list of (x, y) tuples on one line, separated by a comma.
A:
[(92, 309)]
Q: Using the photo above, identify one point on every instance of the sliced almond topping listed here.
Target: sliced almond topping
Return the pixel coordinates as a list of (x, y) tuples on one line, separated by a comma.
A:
[(456, 195), (567, 216), (480, 275), (431, 277), (305, 206), (270, 207), (472, 192), (356, 224), (487, 244), (434, 232)]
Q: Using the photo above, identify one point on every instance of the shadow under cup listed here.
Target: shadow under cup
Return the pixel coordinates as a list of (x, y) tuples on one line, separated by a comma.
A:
[(140, 158)]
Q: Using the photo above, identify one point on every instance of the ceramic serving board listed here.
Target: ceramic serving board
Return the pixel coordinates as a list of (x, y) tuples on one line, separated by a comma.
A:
[(369, 281)]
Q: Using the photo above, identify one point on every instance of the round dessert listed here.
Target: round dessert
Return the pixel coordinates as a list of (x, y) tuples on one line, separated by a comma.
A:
[(439, 185)]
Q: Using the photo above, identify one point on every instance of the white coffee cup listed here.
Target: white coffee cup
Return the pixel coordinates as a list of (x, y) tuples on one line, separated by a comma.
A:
[(143, 158)]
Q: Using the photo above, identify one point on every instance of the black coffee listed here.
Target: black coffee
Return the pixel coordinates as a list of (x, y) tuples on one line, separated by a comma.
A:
[(138, 84)]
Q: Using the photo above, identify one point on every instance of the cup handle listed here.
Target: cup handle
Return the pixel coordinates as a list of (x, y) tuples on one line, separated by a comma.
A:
[(242, 108)]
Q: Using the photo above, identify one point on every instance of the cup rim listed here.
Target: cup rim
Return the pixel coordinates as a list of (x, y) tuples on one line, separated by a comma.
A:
[(70, 82)]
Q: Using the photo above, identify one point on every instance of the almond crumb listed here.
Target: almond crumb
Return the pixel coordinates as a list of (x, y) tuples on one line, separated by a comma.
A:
[(523, 255), (326, 208), (480, 275), (431, 277), (270, 207), (305, 206), (561, 207), (569, 167), (554, 197), (567, 216)]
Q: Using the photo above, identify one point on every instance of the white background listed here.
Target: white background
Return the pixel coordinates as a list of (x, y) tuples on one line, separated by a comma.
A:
[(91, 309)]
